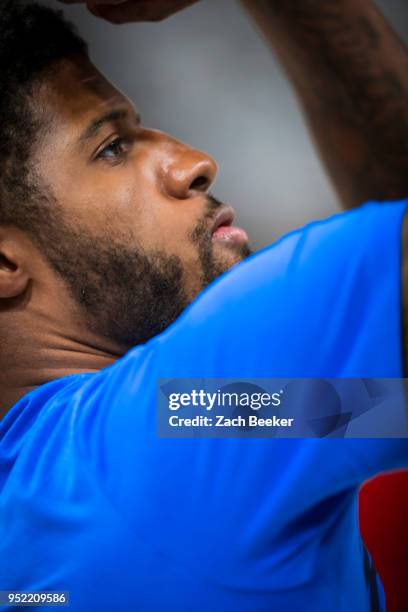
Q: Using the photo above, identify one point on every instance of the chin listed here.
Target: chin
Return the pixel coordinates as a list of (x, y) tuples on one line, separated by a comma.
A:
[(229, 254), (222, 263)]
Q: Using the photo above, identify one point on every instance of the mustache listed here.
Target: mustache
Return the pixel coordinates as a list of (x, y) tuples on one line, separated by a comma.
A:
[(212, 204)]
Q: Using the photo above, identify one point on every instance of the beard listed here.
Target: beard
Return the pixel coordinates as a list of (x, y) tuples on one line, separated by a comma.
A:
[(126, 294)]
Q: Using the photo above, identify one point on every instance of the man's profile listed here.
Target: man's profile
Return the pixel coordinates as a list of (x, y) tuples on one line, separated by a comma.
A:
[(118, 267)]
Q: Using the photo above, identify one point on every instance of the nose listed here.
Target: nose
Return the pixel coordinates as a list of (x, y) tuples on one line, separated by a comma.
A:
[(188, 172)]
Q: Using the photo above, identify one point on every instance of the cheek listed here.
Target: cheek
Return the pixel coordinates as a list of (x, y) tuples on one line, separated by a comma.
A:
[(123, 201), (109, 202)]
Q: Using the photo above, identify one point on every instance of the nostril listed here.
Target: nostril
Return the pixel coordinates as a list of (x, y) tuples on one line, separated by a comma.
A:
[(201, 183)]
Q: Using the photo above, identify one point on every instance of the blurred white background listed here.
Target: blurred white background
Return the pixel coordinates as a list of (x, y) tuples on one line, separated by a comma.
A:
[(206, 77)]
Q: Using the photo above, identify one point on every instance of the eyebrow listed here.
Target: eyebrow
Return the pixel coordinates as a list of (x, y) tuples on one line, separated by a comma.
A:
[(96, 125)]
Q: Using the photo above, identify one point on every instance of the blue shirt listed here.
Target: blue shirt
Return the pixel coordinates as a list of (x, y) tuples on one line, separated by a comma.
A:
[(93, 502)]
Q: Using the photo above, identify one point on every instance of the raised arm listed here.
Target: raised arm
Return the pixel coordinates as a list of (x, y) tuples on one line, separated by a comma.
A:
[(350, 72)]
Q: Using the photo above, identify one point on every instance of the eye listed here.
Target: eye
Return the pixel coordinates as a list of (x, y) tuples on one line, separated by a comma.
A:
[(115, 150)]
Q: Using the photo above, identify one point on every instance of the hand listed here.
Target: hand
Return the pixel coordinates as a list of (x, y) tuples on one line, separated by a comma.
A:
[(126, 11)]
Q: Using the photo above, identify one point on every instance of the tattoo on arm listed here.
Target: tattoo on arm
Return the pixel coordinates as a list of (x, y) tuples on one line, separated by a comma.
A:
[(351, 74)]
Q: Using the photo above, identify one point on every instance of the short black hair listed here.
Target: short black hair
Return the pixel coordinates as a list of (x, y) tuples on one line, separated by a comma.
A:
[(33, 38)]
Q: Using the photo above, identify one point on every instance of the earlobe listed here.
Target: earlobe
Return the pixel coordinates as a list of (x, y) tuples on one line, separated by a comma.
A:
[(14, 279)]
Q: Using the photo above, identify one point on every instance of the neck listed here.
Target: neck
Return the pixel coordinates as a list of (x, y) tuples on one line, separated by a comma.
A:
[(29, 362), (16, 382)]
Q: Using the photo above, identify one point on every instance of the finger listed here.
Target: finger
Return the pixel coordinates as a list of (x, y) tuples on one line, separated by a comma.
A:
[(95, 6), (109, 2), (124, 13), (142, 11), (98, 3)]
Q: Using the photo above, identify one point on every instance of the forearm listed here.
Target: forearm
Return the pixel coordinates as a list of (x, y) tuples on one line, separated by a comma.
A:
[(350, 72)]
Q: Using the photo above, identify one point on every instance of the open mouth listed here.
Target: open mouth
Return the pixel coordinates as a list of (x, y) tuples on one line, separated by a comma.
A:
[(224, 231)]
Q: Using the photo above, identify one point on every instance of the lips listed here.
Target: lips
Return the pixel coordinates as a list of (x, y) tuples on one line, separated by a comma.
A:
[(224, 231), (224, 218)]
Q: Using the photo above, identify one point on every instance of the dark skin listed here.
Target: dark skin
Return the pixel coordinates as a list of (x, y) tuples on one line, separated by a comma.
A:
[(349, 70), (350, 73)]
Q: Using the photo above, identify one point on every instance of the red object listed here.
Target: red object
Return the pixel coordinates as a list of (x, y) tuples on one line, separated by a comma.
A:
[(383, 514)]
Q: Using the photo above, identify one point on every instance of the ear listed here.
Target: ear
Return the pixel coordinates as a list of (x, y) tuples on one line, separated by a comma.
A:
[(14, 276)]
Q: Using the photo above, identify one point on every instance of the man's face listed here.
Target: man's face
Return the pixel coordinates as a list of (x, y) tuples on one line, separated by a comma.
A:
[(137, 236)]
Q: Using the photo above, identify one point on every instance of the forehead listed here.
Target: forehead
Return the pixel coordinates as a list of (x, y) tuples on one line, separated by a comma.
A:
[(76, 92)]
